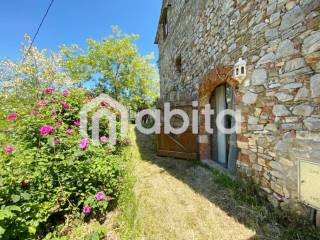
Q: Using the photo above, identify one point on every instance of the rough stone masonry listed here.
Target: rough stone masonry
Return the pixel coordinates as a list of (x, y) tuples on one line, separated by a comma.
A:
[(279, 99)]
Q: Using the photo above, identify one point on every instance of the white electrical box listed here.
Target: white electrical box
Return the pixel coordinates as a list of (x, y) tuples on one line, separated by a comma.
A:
[(309, 183)]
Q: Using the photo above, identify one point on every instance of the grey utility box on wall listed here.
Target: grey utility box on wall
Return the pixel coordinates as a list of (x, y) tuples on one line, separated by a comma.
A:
[(309, 183)]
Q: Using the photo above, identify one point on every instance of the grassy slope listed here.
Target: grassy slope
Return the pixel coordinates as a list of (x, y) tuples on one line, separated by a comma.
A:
[(184, 200), (167, 198)]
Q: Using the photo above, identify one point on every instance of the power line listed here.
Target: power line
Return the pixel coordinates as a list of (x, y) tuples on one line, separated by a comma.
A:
[(39, 27)]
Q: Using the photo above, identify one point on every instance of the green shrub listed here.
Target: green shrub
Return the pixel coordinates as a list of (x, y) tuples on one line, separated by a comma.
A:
[(49, 173)]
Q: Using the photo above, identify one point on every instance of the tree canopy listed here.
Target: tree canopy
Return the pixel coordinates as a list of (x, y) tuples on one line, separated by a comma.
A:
[(114, 66), (35, 70)]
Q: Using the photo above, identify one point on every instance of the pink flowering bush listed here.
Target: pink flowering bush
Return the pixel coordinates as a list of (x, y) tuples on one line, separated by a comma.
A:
[(8, 149), (46, 130), (49, 172), (12, 116)]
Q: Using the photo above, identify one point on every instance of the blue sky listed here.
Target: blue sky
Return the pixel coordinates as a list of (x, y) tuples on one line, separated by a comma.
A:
[(74, 21)]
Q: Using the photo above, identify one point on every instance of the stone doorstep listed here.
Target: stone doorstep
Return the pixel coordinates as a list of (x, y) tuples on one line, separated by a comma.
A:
[(216, 166)]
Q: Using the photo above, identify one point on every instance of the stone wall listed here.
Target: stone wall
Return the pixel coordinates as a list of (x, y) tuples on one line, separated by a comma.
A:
[(279, 99)]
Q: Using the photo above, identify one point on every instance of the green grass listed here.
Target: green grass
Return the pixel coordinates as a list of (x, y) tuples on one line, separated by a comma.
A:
[(121, 222), (261, 215), (147, 217), (127, 226)]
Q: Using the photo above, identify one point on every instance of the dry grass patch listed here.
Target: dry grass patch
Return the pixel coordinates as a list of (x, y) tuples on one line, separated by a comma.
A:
[(184, 200)]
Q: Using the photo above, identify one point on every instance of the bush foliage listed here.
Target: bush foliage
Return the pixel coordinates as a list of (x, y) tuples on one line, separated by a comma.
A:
[(49, 173)]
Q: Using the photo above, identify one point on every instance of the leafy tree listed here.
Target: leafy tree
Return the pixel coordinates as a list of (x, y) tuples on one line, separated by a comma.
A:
[(22, 80), (34, 71), (117, 67)]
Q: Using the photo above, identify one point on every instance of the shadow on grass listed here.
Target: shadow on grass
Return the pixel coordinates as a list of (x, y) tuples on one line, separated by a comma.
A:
[(238, 199)]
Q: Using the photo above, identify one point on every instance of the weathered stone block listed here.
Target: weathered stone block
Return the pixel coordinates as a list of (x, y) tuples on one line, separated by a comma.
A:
[(275, 17), (253, 120), (303, 94), (280, 111), (286, 48), (303, 110), (275, 165), (271, 127), (291, 18), (282, 146), (315, 85), (286, 163), (259, 77), (290, 5), (310, 136), (272, 34), (256, 127), (291, 126), (291, 119), (292, 86), (249, 98), (294, 65), (258, 27), (312, 124), (311, 43), (283, 97), (269, 57)]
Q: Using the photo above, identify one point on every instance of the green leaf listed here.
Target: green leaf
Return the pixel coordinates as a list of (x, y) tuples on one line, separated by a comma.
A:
[(14, 208), (32, 229), (26, 196), (2, 230), (15, 198)]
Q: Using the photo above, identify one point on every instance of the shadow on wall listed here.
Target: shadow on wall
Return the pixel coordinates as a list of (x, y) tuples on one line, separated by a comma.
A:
[(239, 200)]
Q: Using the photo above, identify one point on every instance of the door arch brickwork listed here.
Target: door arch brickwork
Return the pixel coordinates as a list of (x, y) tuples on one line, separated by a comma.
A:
[(217, 76)]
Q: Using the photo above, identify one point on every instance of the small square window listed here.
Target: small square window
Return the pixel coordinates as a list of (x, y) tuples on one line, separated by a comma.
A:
[(165, 26), (179, 64)]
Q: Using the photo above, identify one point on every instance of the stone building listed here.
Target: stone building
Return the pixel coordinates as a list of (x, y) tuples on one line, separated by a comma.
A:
[(200, 41)]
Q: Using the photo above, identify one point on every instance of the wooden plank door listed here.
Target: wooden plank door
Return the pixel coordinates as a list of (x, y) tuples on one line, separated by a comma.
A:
[(182, 146)]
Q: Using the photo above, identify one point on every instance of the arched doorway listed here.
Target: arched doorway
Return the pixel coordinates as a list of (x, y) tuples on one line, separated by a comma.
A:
[(223, 146), (219, 76)]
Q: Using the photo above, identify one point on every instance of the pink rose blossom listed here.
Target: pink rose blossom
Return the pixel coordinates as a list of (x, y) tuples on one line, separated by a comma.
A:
[(33, 113), (100, 196), (12, 116), (46, 129), (65, 105), (127, 142), (84, 143), (77, 123), (103, 139), (53, 111), (65, 92), (42, 103), (69, 131), (49, 90), (56, 141), (87, 210), (8, 149)]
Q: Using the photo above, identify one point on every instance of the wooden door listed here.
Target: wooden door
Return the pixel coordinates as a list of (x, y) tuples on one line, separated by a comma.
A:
[(182, 146)]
